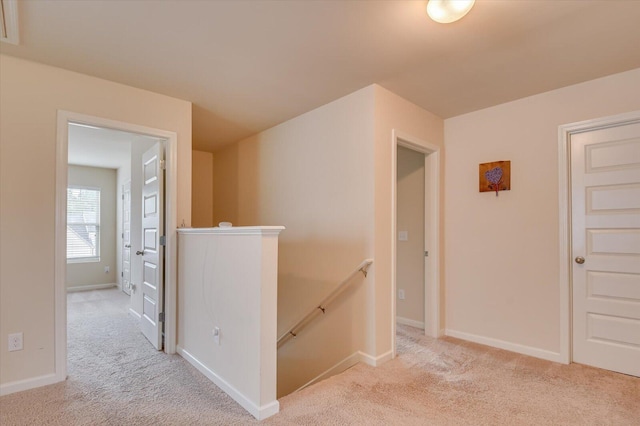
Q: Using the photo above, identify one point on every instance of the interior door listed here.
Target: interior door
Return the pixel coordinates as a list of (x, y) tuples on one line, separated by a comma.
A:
[(152, 250), (126, 237), (605, 205)]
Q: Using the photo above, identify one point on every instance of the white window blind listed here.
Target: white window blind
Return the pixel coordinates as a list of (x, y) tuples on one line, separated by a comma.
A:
[(83, 224)]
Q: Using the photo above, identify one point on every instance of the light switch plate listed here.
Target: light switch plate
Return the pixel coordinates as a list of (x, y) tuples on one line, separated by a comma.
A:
[(403, 236)]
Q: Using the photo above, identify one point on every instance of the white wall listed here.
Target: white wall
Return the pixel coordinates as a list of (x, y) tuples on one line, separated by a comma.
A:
[(314, 175), (85, 274), (326, 176), (410, 253), (393, 113), (228, 279), (30, 97), (202, 189), (502, 260)]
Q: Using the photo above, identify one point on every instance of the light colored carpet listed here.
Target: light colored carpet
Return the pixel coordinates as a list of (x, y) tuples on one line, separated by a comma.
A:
[(115, 377), (452, 382), (431, 382)]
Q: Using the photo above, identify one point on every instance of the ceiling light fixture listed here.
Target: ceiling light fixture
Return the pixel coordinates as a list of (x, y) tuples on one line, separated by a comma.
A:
[(447, 11)]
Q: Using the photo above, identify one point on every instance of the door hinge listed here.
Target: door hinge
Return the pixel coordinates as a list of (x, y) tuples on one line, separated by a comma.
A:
[(163, 240), (426, 253), (161, 317), (122, 274), (163, 164), (122, 196)]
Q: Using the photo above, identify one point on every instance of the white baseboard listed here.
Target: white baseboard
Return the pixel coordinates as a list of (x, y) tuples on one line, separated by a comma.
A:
[(410, 322), (376, 361), (509, 346), (338, 368), (259, 413), (36, 382), (347, 363), (91, 287)]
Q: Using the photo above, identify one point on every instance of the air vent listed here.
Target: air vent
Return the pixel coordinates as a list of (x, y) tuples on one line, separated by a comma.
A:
[(9, 21)]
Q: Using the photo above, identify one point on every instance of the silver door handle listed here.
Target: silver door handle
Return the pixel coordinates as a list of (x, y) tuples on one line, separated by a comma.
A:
[(140, 253), (579, 260)]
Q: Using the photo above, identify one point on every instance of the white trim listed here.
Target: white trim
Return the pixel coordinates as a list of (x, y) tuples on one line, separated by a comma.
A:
[(410, 322), (60, 256), (259, 413), (11, 20), (508, 346), (94, 259), (564, 246), (91, 287), (432, 286), (379, 360), (171, 248), (338, 368), (62, 143), (22, 385), (132, 312), (347, 363), (564, 216), (238, 230)]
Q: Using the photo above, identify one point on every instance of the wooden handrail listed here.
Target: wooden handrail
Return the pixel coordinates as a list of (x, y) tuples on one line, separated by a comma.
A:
[(293, 331)]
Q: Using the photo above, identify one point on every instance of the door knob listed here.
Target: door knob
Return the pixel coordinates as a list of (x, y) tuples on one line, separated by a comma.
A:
[(579, 260), (140, 253)]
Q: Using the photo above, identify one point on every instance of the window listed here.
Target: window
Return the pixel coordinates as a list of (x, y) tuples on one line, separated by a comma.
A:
[(83, 224)]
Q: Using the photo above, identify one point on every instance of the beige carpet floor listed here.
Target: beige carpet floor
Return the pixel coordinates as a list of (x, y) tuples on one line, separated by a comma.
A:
[(116, 378), (452, 382)]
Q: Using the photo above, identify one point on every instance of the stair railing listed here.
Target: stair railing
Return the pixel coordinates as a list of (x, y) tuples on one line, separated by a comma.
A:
[(293, 331)]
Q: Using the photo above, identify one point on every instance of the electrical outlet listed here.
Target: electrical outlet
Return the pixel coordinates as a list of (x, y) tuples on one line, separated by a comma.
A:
[(15, 342), (401, 294), (216, 335), (106, 269)]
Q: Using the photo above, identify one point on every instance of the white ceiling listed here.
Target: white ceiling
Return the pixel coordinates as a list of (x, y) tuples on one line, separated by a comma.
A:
[(249, 65), (90, 146)]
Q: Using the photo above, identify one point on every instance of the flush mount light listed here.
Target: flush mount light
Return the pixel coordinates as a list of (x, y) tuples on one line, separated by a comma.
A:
[(447, 11)]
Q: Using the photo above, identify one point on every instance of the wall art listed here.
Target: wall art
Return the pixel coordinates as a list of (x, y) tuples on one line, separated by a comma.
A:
[(495, 176)]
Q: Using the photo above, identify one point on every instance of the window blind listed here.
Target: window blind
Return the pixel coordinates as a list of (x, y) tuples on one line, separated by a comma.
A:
[(83, 224)]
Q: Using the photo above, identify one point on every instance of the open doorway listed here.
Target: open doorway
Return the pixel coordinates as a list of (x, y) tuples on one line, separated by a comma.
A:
[(412, 240), (99, 160), (415, 234), (112, 212), (146, 157)]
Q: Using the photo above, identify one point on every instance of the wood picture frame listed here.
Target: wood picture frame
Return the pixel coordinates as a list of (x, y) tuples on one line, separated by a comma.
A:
[(495, 176)]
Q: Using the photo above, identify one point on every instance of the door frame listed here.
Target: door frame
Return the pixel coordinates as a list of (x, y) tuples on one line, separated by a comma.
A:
[(60, 268), (564, 209), (126, 291), (432, 224)]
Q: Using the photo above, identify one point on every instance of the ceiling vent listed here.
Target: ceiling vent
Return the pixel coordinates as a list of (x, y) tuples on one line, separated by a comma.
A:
[(9, 21)]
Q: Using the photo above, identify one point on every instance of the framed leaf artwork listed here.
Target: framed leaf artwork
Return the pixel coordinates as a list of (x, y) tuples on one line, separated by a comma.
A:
[(495, 176)]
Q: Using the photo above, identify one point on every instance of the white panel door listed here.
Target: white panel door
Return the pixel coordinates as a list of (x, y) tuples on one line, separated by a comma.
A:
[(152, 252), (126, 237), (605, 175)]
